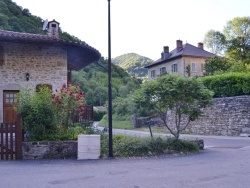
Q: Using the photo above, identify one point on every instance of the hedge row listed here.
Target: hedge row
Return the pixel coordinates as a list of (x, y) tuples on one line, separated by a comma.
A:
[(98, 114), (227, 85)]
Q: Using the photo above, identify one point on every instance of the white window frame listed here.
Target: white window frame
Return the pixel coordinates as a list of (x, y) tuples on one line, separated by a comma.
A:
[(193, 67), (153, 73), (174, 68), (202, 67), (163, 72)]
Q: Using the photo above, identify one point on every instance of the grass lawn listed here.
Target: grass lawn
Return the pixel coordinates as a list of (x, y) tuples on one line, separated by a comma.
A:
[(128, 126)]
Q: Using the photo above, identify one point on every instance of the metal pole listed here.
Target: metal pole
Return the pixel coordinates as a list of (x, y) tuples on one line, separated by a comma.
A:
[(109, 88)]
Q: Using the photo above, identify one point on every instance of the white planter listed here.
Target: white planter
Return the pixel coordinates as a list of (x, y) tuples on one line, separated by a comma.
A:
[(89, 146)]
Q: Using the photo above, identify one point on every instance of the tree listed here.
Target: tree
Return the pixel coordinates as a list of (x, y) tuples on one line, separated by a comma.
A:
[(215, 41), (181, 97), (216, 64), (237, 32)]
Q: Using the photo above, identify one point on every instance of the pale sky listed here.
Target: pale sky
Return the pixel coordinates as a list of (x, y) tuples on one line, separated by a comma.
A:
[(138, 26)]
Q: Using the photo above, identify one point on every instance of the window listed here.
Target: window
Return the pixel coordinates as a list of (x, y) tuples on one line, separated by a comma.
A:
[(174, 68), (153, 74), (163, 70), (202, 67), (193, 67)]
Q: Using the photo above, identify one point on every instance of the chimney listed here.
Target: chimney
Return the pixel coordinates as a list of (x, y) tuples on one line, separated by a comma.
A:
[(166, 49), (53, 29), (200, 45), (179, 45)]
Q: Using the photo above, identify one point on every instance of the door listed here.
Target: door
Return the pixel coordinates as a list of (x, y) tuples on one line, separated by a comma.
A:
[(9, 100)]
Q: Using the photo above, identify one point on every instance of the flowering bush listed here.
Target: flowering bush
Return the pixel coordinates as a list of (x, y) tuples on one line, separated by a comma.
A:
[(68, 101)]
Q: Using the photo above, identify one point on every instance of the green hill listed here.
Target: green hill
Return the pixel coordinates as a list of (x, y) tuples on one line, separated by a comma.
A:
[(133, 63), (15, 18)]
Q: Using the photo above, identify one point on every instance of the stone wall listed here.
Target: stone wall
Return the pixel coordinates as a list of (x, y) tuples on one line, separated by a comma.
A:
[(45, 65), (49, 150), (226, 116)]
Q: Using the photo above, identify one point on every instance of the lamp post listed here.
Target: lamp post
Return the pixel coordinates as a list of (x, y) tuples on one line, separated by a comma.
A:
[(109, 88)]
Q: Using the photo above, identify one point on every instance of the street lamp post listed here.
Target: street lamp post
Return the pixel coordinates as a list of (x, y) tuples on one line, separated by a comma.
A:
[(109, 88)]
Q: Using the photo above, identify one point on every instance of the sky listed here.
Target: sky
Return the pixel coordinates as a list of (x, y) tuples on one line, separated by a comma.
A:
[(138, 26)]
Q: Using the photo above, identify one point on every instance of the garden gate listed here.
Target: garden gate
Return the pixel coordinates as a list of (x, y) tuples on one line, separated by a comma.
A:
[(10, 141)]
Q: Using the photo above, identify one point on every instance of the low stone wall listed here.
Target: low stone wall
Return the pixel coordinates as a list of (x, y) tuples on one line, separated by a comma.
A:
[(49, 150)]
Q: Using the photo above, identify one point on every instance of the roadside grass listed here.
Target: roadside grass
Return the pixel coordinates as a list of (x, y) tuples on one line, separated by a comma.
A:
[(130, 146), (128, 126)]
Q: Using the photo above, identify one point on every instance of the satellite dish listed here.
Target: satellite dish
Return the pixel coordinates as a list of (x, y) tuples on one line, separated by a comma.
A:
[(45, 23)]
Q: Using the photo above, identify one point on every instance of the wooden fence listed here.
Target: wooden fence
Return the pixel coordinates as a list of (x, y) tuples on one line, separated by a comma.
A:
[(10, 141)]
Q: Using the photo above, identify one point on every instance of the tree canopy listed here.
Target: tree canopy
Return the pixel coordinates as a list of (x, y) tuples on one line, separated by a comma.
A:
[(234, 40), (176, 95)]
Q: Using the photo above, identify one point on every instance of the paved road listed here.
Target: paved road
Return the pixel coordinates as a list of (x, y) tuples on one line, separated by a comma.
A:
[(225, 163)]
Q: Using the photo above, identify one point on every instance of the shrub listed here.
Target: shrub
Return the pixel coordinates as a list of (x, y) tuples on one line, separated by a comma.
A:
[(128, 146), (227, 85), (98, 114), (68, 101), (36, 110)]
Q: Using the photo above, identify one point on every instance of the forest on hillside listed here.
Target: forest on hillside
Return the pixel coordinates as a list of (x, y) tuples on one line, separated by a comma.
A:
[(133, 63)]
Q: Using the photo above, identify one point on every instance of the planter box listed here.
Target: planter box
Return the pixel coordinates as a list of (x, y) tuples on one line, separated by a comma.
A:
[(89, 146)]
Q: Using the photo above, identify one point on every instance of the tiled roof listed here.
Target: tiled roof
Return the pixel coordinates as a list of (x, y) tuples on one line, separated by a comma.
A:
[(82, 55), (187, 50)]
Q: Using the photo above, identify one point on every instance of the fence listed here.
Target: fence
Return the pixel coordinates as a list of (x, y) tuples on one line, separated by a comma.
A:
[(10, 141)]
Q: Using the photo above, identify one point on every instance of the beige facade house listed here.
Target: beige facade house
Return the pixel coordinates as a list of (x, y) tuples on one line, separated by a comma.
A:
[(33, 60), (177, 61)]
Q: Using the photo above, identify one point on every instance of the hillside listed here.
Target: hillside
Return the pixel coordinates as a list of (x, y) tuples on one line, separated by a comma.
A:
[(133, 63), (16, 18)]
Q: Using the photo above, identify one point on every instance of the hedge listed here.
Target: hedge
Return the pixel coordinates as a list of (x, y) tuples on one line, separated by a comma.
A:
[(228, 85), (98, 114)]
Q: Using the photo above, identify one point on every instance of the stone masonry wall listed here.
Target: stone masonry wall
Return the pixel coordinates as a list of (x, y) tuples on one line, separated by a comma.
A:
[(49, 150), (44, 63), (226, 116)]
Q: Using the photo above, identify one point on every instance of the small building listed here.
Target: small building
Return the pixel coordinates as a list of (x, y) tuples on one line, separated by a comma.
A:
[(177, 61), (34, 60)]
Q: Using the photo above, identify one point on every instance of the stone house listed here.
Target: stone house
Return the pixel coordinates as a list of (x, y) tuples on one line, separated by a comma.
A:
[(177, 61), (33, 60)]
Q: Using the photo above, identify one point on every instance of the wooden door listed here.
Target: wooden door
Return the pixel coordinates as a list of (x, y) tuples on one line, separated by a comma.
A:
[(9, 100)]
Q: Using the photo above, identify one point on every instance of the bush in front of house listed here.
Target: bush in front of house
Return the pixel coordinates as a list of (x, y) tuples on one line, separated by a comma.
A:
[(36, 110), (50, 117), (229, 84), (130, 146)]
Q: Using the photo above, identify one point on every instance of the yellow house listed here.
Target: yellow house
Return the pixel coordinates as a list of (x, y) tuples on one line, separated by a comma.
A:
[(177, 61)]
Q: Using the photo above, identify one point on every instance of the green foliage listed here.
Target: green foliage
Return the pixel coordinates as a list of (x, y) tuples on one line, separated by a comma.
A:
[(98, 114), (15, 18), (188, 70), (183, 96), (215, 41), (67, 102), (36, 110), (227, 85), (129, 146), (234, 41), (216, 64), (93, 82), (237, 32), (133, 63)]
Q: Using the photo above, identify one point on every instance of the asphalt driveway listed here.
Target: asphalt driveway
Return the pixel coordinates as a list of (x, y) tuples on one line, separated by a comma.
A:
[(225, 163)]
